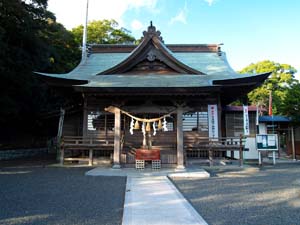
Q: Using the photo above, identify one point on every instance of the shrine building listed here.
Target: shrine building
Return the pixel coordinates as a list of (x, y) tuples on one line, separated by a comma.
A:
[(152, 96)]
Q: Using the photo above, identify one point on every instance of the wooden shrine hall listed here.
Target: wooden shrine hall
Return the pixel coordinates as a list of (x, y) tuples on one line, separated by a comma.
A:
[(151, 101)]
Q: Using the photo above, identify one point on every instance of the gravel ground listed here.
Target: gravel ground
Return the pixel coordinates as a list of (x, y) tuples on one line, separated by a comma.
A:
[(267, 196), (64, 196)]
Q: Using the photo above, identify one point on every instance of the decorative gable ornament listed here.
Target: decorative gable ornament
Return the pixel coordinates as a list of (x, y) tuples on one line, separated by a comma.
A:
[(151, 56)]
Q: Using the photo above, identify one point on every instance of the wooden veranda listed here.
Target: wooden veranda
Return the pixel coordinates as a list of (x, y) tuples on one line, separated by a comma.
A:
[(83, 149)]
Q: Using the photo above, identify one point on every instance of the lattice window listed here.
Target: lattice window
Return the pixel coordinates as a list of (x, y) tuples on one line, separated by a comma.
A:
[(235, 123), (99, 121), (196, 121)]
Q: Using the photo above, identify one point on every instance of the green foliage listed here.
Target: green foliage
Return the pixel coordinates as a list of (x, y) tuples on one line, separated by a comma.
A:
[(291, 102), (279, 82), (30, 40), (103, 32), (63, 53)]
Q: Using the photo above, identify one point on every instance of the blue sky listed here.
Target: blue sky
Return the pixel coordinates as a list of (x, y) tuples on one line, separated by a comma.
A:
[(251, 30)]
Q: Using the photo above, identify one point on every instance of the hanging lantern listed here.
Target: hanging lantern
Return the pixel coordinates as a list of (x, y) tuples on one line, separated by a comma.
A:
[(148, 127), (159, 126), (136, 125)]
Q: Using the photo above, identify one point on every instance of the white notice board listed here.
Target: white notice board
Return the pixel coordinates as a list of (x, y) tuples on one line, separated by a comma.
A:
[(267, 142)]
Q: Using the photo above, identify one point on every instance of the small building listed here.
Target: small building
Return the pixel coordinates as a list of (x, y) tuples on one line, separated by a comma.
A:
[(234, 127), (181, 88), (288, 135), (276, 124)]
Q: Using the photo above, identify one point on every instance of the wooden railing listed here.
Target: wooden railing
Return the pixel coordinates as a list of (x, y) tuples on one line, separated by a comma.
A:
[(212, 145), (80, 143), (198, 144)]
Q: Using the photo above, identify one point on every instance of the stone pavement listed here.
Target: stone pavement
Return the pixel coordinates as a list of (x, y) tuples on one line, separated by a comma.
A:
[(152, 199), (148, 172)]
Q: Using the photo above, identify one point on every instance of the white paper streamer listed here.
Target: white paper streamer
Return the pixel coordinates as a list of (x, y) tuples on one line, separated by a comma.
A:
[(154, 128), (131, 126), (144, 133), (144, 128), (165, 124)]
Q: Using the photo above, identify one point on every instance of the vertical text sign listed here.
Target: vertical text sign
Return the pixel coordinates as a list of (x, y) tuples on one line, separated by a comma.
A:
[(213, 121), (246, 121)]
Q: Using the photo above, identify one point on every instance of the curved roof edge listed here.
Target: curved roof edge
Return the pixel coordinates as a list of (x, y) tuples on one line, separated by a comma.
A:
[(243, 78), (60, 80)]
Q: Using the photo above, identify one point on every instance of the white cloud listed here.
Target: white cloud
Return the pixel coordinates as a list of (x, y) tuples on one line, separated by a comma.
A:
[(136, 25), (71, 13), (181, 16), (210, 2)]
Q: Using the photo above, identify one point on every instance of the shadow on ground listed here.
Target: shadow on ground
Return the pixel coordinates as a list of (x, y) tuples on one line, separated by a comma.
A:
[(38, 194), (267, 195)]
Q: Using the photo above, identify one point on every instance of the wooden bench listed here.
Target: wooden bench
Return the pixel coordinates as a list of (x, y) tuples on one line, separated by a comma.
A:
[(143, 155)]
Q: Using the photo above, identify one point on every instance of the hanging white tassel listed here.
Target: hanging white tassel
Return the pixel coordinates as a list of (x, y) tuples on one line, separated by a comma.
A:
[(144, 128), (131, 126), (165, 124), (144, 133), (154, 128)]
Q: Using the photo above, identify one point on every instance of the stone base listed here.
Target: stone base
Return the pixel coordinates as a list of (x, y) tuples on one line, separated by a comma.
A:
[(116, 166), (180, 167)]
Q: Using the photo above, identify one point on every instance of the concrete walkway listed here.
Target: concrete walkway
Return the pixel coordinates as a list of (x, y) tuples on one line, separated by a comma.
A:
[(156, 201), (152, 199)]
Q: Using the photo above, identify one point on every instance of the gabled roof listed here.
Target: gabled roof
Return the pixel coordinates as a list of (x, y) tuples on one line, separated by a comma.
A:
[(151, 49), (201, 59), (152, 64)]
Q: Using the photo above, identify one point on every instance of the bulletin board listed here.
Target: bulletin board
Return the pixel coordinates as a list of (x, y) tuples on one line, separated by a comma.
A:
[(267, 142)]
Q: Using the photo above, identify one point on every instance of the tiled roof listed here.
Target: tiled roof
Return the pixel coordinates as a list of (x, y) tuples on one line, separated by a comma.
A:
[(199, 66), (208, 63), (154, 80)]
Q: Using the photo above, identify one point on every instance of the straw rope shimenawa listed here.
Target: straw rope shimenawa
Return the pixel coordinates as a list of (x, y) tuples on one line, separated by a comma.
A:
[(157, 119)]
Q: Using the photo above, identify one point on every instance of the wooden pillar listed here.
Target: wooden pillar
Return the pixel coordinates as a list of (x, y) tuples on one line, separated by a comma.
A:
[(90, 157), (241, 151), (210, 157), (117, 139), (293, 143), (219, 116), (62, 152), (180, 153)]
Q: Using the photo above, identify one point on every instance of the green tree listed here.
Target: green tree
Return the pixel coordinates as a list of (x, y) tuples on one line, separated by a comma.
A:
[(62, 52), (30, 40), (279, 82), (103, 32), (291, 102)]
